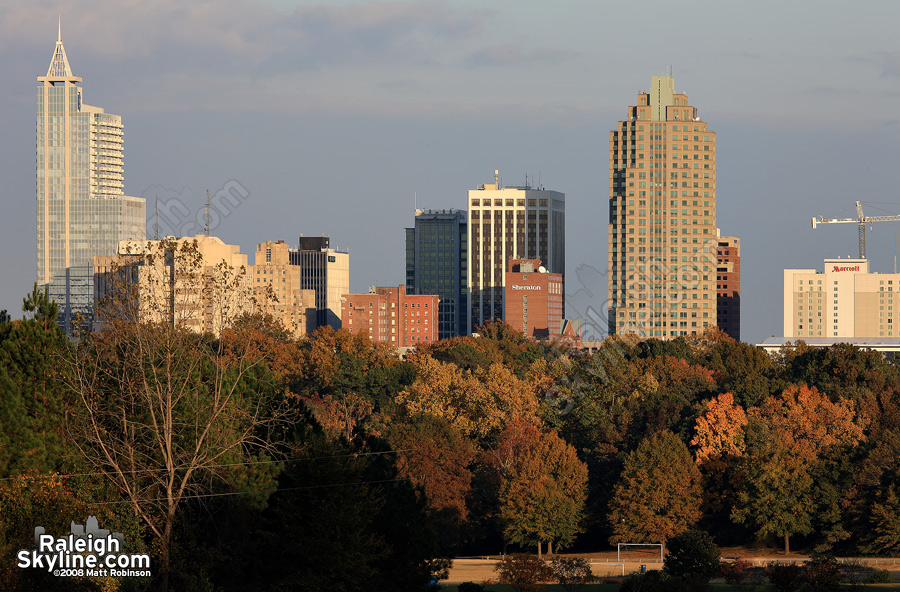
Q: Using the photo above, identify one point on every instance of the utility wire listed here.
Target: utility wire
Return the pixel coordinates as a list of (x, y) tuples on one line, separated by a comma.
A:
[(252, 462), (233, 493)]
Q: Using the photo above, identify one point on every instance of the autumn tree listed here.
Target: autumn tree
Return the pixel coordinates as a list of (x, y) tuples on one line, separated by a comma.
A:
[(658, 493), (719, 442), (477, 403), (435, 457), (788, 436), (543, 486), (720, 431), (164, 412)]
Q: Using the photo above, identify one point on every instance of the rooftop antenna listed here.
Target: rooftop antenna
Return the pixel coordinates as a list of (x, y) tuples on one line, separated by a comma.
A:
[(539, 180), (156, 225), (207, 212), (415, 201), (59, 27), (497, 177)]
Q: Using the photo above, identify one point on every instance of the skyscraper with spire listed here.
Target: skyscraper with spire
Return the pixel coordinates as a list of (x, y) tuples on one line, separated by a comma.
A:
[(82, 211)]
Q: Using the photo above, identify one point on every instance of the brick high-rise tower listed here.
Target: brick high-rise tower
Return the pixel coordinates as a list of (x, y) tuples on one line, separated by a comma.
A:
[(662, 218)]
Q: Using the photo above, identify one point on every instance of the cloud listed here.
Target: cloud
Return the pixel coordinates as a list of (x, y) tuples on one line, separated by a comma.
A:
[(505, 56), (890, 64), (214, 35)]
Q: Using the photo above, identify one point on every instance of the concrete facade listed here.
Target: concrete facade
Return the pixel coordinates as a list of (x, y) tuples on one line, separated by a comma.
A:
[(533, 299), (82, 211), (390, 315), (199, 282), (510, 223), (662, 218), (278, 288)]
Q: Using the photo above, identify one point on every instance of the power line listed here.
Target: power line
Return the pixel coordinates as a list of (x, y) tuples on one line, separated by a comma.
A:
[(232, 493), (247, 463)]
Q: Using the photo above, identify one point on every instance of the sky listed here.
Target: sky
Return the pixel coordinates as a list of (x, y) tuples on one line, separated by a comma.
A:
[(333, 117)]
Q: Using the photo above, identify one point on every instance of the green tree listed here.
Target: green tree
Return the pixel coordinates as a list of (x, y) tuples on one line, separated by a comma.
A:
[(694, 557), (778, 495), (658, 494), (34, 401), (543, 486)]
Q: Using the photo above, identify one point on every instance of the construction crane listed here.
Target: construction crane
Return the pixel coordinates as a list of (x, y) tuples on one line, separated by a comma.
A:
[(861, 219)]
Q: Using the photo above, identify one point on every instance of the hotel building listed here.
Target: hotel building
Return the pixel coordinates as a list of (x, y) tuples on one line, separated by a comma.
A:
[(844, 301), (533, 299), (510, 223)]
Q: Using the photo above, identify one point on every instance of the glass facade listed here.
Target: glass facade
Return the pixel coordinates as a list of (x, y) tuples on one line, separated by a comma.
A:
[(436, 261), (81, 209)]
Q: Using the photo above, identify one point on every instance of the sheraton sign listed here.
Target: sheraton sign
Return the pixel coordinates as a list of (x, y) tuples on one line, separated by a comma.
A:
[(517, 287)]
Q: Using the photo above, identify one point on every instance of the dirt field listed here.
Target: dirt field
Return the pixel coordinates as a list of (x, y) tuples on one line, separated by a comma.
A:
[(480, 569)]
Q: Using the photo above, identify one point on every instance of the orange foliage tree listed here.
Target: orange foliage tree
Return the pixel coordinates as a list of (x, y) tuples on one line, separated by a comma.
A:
[(477, 403), (543, 486)]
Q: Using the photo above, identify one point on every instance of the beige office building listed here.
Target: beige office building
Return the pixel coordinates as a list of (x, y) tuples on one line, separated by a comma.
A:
[(196, 282), (662, 218), (278, 288), (843, 301), (515, 222)]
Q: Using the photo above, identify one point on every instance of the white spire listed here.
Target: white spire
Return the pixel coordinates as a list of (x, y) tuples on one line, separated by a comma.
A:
[(59, 28), (59, 64)]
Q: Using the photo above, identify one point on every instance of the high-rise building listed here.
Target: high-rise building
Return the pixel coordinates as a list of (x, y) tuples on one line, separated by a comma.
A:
[(390, 315), (277, 288), (728, 286), (82, 211), (195, 282), (662, 218), (436, 264), (510, 223), (534, 299), (845, 301), (325, 270)]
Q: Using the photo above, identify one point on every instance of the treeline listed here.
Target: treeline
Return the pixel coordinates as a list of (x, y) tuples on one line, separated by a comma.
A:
[(255, 461)]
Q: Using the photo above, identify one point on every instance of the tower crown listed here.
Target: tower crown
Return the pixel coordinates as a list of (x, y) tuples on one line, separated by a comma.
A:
[(59, 69)]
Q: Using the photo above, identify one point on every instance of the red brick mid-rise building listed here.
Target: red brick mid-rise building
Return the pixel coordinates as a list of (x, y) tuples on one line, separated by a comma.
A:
[(533, 299), (728, 286), (392, 316)]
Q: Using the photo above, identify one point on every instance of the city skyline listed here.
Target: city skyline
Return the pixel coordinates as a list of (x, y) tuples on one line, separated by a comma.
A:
[(432, 98)]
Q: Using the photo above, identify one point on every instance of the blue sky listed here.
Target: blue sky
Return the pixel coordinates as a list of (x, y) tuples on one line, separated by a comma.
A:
[(333, 115)]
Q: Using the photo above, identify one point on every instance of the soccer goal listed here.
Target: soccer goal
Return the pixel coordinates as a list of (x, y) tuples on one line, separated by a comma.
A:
[(639, 552)]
